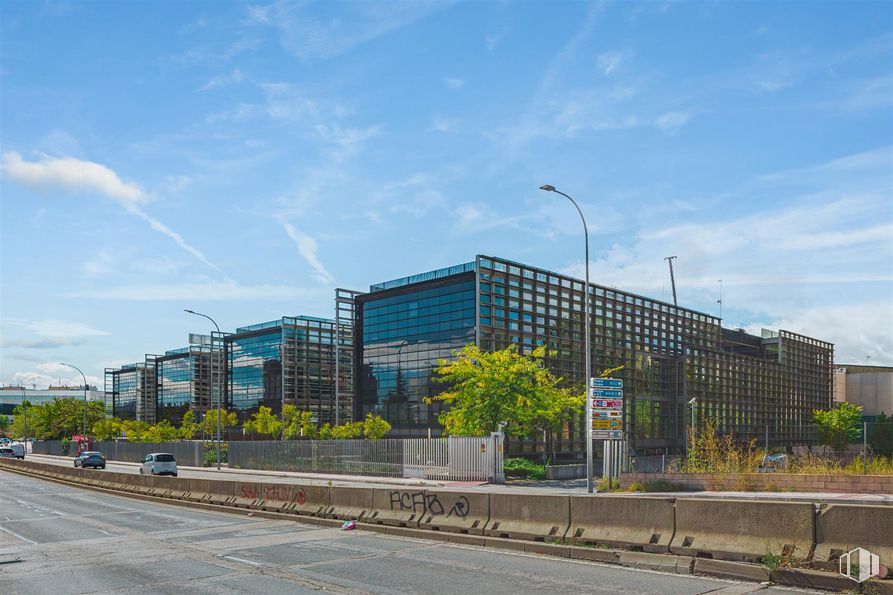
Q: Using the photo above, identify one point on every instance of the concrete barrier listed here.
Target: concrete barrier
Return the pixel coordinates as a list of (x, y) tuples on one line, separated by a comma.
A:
[(742, 530), (642, 523), (199, 490), (179, 488), (528, 516), (396, 507), (310, 500), (457, 512), (844, 527), (248, 494), (221, 492), (350, 503)]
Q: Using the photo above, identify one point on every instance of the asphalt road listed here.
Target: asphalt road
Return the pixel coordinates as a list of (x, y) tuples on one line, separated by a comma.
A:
[(59, 539)]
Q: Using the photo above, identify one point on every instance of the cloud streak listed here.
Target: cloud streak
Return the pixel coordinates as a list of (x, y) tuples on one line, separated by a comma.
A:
[(307, 248), (77, 175)]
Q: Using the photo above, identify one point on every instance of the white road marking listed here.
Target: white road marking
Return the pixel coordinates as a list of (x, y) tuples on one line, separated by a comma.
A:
[(17, 535), (244, 561)]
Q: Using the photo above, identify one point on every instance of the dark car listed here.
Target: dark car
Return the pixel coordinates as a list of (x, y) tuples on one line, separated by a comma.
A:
[(90, 458), (6, 453)]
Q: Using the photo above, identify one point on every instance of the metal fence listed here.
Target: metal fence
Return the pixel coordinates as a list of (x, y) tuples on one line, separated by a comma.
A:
[(190, 453), (454, 458), (50, 447)]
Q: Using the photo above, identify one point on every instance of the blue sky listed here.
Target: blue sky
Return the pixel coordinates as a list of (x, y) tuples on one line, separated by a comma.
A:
[(243, 160)]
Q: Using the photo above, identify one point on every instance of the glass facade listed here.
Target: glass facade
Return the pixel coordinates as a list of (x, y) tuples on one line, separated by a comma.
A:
[(124, 390), (668, 354), (405, 330), (174, 380), (255, 369)]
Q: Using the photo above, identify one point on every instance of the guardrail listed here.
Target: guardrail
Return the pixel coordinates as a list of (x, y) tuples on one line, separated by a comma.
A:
[(722, 529)]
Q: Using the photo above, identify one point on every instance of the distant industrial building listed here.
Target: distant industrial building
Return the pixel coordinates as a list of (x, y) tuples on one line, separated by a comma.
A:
[(383, 346), (12, 396), (870, 387)]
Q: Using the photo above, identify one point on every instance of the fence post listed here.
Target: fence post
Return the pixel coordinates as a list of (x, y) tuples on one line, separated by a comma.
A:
[(864, 448)]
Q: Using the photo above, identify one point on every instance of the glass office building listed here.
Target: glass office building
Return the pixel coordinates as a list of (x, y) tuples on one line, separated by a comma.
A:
[(126, 392), (749, 385)]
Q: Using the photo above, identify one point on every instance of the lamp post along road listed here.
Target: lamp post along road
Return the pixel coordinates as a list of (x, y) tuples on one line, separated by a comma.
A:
[(587, 358), (24, 415), (84, 433), (219, 388)]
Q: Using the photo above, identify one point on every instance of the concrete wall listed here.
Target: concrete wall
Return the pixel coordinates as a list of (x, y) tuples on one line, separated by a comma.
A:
[(871, 387), (770, 482)]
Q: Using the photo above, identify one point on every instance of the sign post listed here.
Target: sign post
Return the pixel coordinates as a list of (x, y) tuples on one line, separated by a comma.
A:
[(605, 419)]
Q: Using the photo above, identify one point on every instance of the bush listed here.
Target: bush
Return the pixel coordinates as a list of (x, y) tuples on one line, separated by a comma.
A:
[(608, 484), (210, 458), (525, 468), (710, 453)]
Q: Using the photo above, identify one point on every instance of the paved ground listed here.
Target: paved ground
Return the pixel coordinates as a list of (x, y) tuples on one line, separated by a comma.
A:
[(572, 487), (59, 539)]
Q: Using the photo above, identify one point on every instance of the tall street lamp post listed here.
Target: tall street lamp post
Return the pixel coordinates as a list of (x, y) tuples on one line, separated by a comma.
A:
[(24, 414), (219, 388), (84, 433), (588, 355)]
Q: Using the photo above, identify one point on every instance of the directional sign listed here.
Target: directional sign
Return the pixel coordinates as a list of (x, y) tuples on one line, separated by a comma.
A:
[(607, 434), (607, 424), (607, 413), (607, 403), (606, 383), (605, 393)]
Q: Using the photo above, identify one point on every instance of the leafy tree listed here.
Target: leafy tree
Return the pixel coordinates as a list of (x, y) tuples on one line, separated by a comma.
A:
[(486, 388), (133, 430), (107, 429), (59, 419), (374, 427), (163, 431), (4, 424), (263, 423), (326, 432), (297, 423), (839, 426), (348, 431), (188, 426), (227, 420)]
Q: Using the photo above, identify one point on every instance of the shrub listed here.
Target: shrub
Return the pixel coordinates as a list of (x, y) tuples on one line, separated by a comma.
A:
[(608, 484), (520, 467), (710, 453), (662, 485), (210, 458), (635, 487)]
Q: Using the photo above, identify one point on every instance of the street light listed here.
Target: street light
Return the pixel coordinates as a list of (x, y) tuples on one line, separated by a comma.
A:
[(24, 414), (84, 434), (219, 388), (691, 429), (588, 356)]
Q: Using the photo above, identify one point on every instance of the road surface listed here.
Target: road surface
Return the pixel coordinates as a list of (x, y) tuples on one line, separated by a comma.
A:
[(60, 539)]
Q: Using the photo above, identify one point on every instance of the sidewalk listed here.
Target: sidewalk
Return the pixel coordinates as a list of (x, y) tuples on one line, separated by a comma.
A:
[(362, 479)]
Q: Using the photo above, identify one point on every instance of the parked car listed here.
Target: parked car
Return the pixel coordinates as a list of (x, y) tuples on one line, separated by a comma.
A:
[(18, 449), (91, 458), (6, 453), (159, 463)]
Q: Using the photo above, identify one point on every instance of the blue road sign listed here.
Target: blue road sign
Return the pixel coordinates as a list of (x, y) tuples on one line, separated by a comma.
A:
[(605, 393), (606, 383)]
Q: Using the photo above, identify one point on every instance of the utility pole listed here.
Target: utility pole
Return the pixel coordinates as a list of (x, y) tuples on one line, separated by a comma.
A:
[(669, 260)]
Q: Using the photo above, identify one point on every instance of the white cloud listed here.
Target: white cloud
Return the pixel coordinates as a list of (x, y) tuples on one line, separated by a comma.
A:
[(43, 380), (198, 291), (50, 327), (307, 248), (453, 83), (227, 80), (75, 175), (70, 174), (419, 204), (671, 121), (609, 62), (445, 125), (772, 86), (493, 40)]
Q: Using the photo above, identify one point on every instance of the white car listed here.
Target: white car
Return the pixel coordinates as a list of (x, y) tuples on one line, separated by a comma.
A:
[(159, 463), (18, 448)]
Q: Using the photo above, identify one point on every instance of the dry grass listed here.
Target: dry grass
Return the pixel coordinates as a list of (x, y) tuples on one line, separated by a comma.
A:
[(817, 465), (711, 453)]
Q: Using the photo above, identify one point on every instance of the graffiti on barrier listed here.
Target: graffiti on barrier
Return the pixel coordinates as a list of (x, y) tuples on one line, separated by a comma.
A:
[(421, 503), (284, 493)]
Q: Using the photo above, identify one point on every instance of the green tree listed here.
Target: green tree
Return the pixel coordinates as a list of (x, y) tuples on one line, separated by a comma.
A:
[(133, 430), (487, 388), (227, 420), (263, 423), (106, 429), (4, 424), (163, 431), (297, 423), (348, 431), (374, 427), (188, 426), (326, 432), (839, 426), (59, 419)]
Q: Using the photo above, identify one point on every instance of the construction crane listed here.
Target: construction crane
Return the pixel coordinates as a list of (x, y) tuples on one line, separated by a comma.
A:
[(669, 260)]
